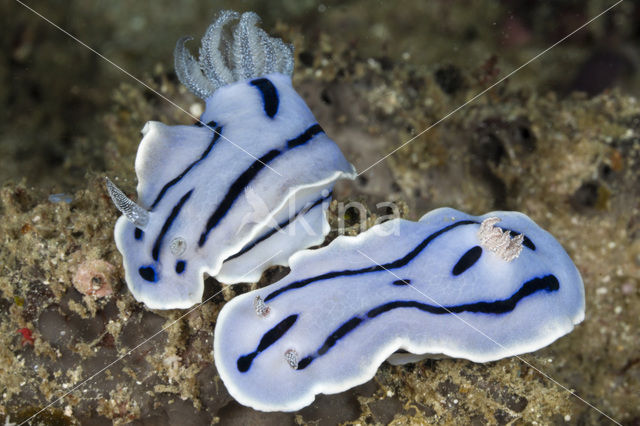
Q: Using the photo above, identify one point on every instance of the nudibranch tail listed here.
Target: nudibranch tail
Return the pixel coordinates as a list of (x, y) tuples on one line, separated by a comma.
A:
[(133, 212), (250, 53)]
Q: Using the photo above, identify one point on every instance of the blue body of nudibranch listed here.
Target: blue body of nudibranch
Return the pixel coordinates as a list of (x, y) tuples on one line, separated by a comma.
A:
[(227, 196), (451, 284)]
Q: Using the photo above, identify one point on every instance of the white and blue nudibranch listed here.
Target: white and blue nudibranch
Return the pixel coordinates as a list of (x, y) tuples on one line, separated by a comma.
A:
[(225, 196), (474, 287)]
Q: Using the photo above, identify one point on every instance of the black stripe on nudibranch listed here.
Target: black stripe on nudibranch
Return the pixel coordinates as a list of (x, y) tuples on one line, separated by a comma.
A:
[(398, 263), (238, 186), (342, 331), (305, 136), (304, 362), (216, 135), (148, 273), (137, 233), (199, 123), (269, 338), (401, 282), (155, 252), (526, 241), (467, 260), (277, 228), (180, 266), (546, 283), (270, 100), (235, 190)]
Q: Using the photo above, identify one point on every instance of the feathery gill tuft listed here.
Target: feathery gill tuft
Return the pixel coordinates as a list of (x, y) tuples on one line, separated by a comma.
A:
[(243, 53)]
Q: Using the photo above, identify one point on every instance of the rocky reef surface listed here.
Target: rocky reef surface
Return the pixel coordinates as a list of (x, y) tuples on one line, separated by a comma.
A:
[(569, 160)]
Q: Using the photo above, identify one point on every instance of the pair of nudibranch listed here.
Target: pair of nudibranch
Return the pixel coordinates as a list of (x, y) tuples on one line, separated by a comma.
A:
[(248, 187)]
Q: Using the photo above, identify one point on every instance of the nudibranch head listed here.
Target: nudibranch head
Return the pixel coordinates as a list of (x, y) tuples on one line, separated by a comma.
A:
[(241, 190), (448, 284), (249, 54)]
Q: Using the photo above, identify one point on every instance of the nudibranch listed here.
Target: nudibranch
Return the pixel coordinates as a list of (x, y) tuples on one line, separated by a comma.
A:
[(474, 287), (241, 190)]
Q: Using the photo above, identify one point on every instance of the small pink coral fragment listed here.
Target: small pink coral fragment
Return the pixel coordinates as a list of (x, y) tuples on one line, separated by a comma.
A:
[(94, 278)]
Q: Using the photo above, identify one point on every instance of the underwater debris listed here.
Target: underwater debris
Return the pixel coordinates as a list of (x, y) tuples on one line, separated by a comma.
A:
[(60, 198)]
